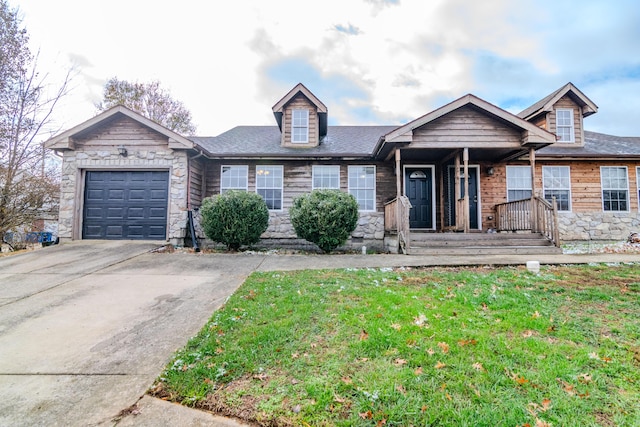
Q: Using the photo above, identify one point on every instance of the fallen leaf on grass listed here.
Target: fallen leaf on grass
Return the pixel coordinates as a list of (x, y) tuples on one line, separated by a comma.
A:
[(364, 335), (448, 396), (462, 343), (396, 326), (418, 371), (424, 408), (366, 415), (400, 389), (440, 365), (475, 390), (420, 320), (399, 362), (478, 366), (431, 352), (584, 378), (260, 377), (338, 399), (444, 347), (527, 334), (347, 380), (540, 423), (381, 423), (294, 355), (535, 315)]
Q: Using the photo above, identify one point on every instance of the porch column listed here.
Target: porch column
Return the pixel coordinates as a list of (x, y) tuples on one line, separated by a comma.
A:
[(534, 210), (465, 160), (398, 175)]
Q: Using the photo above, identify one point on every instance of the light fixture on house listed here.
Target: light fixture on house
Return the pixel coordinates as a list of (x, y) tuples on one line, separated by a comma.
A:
[(490, 171), (122, 151)]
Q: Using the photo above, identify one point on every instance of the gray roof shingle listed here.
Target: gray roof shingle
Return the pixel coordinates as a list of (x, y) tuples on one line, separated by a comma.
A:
[(264, 141), (596, 145)]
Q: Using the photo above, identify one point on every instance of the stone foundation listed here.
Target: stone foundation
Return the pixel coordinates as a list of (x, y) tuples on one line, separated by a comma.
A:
[(610, 226)]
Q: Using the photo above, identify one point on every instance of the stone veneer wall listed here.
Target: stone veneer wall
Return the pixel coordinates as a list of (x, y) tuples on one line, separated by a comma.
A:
[(75, 161), (597, 225), (280, 233)]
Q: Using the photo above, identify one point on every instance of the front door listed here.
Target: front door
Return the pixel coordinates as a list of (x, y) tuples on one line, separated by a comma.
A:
[(418, 188), (473, 196)]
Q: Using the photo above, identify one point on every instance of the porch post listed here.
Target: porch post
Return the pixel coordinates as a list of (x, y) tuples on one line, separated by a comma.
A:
[(534, 206), (465, 160), (458, 195), (398, 175)]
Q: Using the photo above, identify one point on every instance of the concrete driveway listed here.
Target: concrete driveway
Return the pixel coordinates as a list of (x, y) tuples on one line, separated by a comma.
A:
[(86, 327)]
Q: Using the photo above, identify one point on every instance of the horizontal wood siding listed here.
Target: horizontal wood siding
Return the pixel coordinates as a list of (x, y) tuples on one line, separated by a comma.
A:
[(465, 127), (196, 182), (123, 131), (567, 103), (300, 102), (298, 176)]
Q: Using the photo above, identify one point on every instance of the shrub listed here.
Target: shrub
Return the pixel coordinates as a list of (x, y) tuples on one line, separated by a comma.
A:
[(325, 217), (235, 218)]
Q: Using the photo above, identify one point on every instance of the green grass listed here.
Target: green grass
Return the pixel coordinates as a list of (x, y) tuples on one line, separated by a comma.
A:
[(421, 347)]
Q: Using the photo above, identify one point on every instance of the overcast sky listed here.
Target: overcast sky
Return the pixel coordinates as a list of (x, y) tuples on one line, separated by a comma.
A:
[(369, 61)]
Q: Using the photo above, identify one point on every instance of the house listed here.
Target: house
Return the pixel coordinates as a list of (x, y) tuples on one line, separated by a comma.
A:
[(469, 168)]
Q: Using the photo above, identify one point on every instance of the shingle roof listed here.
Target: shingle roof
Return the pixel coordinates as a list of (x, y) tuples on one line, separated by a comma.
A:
[(538, 105), (595, 145), (264, 141)]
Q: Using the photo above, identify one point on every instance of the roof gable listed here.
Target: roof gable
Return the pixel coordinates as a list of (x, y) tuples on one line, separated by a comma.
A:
[(64, 141), (278, 108), (534, 134), (546, 104)]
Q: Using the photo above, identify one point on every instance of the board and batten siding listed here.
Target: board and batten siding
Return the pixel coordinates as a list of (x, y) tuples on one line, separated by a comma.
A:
[(465, 127), (300, 102), (567, 103)]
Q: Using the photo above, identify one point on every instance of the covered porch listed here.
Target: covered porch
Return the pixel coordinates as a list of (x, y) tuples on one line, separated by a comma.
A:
[(450, 176)]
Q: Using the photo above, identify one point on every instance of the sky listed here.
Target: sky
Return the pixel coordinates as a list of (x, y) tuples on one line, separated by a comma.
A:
[(382, 62)]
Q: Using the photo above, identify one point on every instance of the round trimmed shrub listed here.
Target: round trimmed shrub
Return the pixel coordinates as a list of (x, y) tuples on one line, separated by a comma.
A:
[(325, 217), (235, 218)]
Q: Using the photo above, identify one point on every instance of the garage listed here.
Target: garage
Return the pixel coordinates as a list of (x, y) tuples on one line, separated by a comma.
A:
[(122, 205)]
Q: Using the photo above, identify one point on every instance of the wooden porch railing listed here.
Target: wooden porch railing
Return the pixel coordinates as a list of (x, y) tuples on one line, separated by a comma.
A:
[(396, 219), (536, 214)]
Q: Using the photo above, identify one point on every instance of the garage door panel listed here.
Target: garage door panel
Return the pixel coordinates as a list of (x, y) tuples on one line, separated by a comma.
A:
[(126, 205)]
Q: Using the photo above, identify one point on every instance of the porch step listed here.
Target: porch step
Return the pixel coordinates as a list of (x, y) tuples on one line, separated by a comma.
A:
[(481, 244)]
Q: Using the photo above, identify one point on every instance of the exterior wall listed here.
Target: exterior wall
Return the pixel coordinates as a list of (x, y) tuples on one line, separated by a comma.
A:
[(298, 181), (465, 127), (300, 102), (567, 103), (98, 151)]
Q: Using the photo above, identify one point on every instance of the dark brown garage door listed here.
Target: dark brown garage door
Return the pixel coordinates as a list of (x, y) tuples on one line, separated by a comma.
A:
[(125, 205)]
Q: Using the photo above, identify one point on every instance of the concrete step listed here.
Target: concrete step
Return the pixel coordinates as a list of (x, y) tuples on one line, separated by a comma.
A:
[(485, 250), (481, 243), (419, 236)]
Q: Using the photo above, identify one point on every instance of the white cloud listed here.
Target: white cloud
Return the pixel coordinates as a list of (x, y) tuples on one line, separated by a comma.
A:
[(369, 61)]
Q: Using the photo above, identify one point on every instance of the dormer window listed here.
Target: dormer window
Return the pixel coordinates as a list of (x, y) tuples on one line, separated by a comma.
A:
[(300, 126), (564, 125)]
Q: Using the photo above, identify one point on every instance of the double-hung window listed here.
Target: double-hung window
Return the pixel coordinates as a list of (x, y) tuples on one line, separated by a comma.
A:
[(234, 178), (269, 185), (326, 177), (362, 186), (300, 126), (518, 183), (615, 188), (556, 182), (564, 125)]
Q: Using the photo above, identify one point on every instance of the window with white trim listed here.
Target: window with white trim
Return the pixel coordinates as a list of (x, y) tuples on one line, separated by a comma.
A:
[(234, 178), (564, 125), (362, 186), (518, 183), (556, 182), (325, 177), (269, 185), (615, 188), (300, 126)]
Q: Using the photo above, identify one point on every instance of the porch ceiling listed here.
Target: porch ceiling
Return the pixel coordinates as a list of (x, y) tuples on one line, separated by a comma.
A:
[(437, 155)]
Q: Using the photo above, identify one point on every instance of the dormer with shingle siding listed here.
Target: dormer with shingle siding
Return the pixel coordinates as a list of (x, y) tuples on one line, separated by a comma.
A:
[(301, 117), (562, 113)]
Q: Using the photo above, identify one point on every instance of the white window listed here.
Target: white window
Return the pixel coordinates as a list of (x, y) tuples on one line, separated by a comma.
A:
[(300, 126), (556, 182), (362, 186), (518, 183), (326, 177), (564, 125), (615, 188), (269, 185), (233, 178)]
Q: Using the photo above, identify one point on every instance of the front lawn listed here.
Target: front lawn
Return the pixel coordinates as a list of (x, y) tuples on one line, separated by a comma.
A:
[(437, 346)]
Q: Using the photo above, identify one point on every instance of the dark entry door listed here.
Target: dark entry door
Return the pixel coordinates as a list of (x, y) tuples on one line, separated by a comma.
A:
[(473, 196), (418, 188), (125, 205)]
